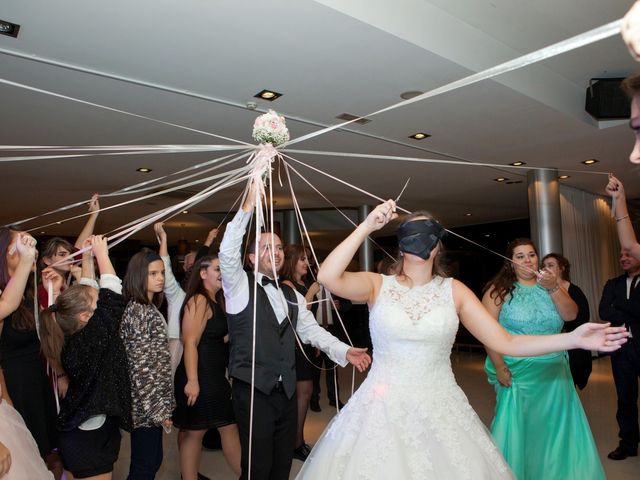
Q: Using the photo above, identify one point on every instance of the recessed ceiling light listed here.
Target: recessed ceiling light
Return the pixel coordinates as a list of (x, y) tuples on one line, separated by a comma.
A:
[(590, 161), (517, 164), (58, 223), (419, 136), (487, 235), (143, 170), (500, 179), (564, 177), (410, 94), (41, 232), (268, 95), (197, 241), (184, 212), (356, 119), (9, 29), (512, 182), (468, 214)]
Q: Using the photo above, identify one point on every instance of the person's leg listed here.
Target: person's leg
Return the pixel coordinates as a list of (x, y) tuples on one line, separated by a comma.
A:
[(230, 439), (626, 381), (284, 435), (304, 390), (146, 453), (190, 445), (262, 433), (314, 403)]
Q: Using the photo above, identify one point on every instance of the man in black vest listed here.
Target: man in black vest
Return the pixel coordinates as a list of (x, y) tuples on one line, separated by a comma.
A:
[(620, 305), (278, 312)]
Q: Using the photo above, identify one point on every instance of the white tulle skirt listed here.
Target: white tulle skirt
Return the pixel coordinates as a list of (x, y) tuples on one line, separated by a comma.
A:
[(26, 462)]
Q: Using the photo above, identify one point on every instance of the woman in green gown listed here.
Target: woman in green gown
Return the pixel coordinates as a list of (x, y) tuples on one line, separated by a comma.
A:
[(539, 422)]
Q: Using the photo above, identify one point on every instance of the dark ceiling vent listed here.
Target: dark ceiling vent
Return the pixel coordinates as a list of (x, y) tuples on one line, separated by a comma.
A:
[(348, 117)]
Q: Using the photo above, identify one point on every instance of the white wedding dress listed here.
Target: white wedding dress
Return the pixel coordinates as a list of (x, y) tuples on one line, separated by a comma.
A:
[(409, 419)]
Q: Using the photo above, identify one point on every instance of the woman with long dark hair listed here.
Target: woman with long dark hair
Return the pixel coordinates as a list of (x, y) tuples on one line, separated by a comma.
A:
[(19, 456), (202, 391), (294, 273), (144, 333), (579, 360), (24, 370), (538, 411)]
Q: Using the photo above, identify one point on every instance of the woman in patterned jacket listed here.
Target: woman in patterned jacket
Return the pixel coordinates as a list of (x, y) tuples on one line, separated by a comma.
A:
[(144, 333)]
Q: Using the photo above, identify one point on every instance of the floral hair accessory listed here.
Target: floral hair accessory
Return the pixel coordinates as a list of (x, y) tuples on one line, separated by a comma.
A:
[(270, 128)]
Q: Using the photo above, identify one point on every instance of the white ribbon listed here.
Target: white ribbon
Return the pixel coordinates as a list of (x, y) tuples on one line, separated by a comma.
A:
[(564, 46)]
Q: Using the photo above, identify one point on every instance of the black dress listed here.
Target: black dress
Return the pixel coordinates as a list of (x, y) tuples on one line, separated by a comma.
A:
[(28, 384), (579, 360), (305, 370), (213, 406)]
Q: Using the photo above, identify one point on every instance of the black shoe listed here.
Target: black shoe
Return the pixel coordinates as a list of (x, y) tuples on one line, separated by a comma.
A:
[(314, 406), (302, 452), (333, 404), (620, 454), (200, 477)]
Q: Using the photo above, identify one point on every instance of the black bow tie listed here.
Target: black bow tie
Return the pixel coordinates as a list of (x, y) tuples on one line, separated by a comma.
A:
[(266, 280)]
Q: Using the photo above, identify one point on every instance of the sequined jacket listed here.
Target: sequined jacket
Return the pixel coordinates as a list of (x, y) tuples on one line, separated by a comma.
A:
[(144, 333)]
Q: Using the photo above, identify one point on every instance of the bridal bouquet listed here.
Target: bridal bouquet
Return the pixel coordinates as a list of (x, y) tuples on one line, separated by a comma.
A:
[(270, 128)]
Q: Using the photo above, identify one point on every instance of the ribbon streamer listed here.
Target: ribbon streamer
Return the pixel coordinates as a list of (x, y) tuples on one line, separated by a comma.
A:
[(591, 36)]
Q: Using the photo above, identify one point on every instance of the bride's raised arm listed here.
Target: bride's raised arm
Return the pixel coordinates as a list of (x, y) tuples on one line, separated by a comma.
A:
[(475, 317), (355, 286)]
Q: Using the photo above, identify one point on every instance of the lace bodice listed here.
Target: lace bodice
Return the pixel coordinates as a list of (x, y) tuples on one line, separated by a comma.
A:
[(412, 330), (409, 419), (530, 311)]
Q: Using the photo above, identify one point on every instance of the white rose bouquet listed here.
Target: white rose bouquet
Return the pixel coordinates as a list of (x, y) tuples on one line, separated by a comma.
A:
[(270, 128)]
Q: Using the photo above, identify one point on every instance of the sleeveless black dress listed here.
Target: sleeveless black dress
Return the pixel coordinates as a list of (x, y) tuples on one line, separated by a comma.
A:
[(28, 384), (213, 407), (305, 370)]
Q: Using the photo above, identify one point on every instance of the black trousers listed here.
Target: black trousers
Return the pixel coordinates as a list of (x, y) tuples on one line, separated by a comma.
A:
[(625, 364), (146, 453), (274, 431)]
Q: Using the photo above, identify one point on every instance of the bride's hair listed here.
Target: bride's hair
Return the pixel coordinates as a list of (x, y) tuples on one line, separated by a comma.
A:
[(439, 267)]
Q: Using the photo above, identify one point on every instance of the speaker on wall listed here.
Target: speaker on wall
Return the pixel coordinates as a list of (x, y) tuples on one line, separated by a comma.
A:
[(606, 100)]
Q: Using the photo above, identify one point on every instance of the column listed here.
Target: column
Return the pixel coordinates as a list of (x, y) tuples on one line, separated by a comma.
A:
[(544, 210), (366, 249)]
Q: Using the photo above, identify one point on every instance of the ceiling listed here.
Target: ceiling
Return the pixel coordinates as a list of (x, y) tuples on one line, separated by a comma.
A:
[(327, 57)]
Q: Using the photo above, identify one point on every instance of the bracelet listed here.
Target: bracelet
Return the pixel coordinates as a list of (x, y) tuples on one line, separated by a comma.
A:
[(621, 218), (553, 290)]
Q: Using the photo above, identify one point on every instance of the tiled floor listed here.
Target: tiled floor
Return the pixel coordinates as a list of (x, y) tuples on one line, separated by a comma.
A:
[(599, 400)]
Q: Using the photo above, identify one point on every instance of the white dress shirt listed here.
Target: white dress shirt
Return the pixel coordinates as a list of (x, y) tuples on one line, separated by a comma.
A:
[(236, 293)]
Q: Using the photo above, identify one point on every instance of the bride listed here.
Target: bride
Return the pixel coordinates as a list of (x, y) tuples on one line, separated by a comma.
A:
[(409, 419)]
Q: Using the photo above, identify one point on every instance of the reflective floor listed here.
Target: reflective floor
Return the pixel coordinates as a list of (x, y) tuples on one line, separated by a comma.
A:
[(598, 399)]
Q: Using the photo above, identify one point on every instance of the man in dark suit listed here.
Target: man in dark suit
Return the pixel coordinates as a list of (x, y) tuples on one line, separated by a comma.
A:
[(620, 305), (270, 376)]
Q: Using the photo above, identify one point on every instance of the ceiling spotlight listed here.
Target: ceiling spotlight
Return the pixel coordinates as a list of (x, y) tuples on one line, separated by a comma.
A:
[(9, 29), (468, 214), (42, 232), (184, 212), (517, 164), (268, 95), (500, 179), (590, 161), (58, 223), (419, 136), (564, 177), (143, 170), (512, 182)]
